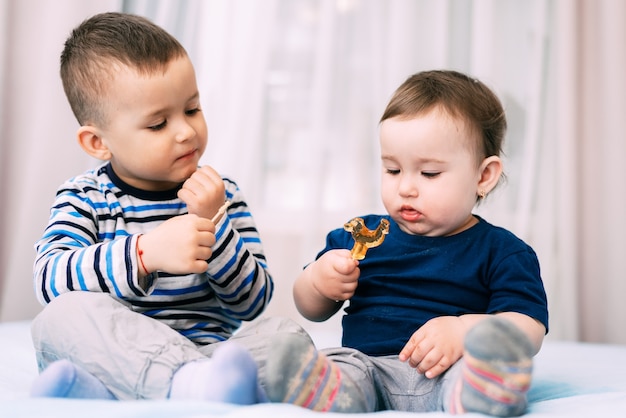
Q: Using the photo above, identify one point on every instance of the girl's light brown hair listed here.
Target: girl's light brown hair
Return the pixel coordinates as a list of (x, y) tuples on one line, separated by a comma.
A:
[(460, 96)]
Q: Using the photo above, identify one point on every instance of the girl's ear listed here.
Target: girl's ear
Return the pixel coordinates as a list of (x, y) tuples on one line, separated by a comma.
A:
[(490, 172), (90, 140)]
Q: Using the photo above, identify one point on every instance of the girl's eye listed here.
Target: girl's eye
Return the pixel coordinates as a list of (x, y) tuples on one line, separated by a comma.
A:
[(392, 171), (430, 174), (192, 112), (158, 127)]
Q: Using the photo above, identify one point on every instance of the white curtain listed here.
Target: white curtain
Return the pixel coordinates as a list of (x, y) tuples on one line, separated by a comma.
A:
[(292, 91), (38, 149), (596, 113)]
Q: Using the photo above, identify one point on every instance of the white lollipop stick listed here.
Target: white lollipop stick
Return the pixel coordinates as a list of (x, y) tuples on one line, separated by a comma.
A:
[(220, 211)]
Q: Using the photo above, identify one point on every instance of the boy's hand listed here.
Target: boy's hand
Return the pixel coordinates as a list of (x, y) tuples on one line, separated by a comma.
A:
[(436, 346), (203, 192), (335, 275), (180, 245)]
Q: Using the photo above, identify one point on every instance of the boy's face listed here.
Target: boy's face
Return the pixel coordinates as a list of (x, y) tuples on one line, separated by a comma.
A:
[(155, 130), (429, 173)]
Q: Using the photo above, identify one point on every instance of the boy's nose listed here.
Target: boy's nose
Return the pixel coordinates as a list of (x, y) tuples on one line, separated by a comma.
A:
[(185, 132)]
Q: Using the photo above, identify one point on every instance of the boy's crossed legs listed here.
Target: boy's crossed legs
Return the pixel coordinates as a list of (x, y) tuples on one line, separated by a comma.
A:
[(230, 375), (90, 345)]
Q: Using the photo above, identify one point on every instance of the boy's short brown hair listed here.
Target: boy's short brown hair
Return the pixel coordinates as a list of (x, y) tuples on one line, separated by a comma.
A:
[(98, 45)]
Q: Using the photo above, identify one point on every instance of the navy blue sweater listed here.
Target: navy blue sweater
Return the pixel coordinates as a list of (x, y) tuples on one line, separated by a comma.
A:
[(410, 279)]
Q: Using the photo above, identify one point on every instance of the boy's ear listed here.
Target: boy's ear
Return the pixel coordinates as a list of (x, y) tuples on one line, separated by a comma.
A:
[(90, 140), (490, 172)]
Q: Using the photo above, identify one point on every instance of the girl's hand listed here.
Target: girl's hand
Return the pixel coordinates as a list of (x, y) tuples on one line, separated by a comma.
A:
[(324, 284), (436, 346), (335, 275)]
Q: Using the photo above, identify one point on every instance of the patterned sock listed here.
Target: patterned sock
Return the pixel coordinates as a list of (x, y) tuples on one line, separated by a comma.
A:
[(64, 379), (230, 376), (298, 374), (496, 370)]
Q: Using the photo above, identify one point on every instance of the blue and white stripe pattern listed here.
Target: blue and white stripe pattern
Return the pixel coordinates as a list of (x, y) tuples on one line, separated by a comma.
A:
[(90, 245)]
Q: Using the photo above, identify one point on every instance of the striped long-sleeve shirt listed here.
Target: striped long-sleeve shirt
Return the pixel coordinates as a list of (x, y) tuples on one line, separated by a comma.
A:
[(90, 245)]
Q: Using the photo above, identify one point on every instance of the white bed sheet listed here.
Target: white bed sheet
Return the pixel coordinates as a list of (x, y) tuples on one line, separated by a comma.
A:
[(574, 380)]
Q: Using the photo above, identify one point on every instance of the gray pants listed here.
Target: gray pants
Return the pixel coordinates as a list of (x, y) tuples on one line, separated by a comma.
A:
[(133, 355), (386, 383)]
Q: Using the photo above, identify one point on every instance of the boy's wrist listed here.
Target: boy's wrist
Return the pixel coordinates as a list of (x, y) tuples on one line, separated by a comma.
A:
[(142, 269)]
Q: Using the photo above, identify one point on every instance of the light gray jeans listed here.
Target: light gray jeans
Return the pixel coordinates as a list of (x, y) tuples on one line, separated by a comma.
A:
[(386, 383), (133, 355)]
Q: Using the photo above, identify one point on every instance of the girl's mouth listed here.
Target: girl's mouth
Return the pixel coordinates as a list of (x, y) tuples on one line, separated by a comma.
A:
[(410, 214)]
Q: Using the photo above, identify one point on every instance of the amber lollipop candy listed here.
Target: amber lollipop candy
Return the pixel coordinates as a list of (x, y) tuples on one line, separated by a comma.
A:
[(365, 238)]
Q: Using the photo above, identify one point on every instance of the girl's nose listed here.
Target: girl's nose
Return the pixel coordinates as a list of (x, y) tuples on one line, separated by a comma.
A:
[(408, 187)]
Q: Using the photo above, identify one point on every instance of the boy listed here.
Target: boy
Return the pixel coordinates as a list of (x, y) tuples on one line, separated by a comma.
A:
[(447, 313), (148, 263)]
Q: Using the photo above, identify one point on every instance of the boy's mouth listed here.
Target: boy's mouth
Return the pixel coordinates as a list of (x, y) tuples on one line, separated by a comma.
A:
[(187, 155)]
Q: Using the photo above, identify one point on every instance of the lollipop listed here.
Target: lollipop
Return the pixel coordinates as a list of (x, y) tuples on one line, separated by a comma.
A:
[(365, 238)]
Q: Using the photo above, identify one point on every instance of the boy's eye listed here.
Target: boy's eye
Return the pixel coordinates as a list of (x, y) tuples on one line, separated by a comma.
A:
[(393, 171), (430, 174), (158, 127), (192, 112)]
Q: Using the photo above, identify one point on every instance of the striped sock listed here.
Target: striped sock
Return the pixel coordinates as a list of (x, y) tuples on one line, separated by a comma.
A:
[(298, 374), (496, 371)]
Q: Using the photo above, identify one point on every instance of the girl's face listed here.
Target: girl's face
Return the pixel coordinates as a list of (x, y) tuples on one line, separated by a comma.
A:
[(430, 173), (155, 132)]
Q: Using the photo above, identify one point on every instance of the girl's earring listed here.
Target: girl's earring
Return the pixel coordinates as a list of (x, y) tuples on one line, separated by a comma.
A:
[(482, 194)]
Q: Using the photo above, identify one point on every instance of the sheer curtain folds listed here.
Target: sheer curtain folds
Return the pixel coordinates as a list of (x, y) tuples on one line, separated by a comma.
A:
[(38, 149)]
